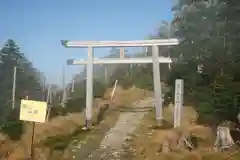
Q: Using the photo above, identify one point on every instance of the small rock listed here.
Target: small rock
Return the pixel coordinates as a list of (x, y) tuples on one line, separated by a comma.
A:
[(82, 142), (128, 138), (103, 155), (79, 146), (127, 146), (150, 133), (90, 156), (115, 154), (2, 138), (136, 135), (73, 150), (142, 150), (133, 150), (103, 146)]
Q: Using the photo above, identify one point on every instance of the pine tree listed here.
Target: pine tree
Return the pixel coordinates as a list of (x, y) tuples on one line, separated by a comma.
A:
[(27, 83)]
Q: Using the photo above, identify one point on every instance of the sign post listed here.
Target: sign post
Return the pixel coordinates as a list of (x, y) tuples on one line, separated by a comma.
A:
[(178, 102), (155, 59), (31, 155), (33, 111)]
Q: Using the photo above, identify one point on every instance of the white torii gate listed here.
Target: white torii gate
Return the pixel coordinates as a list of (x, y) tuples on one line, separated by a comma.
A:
[(155, 59)]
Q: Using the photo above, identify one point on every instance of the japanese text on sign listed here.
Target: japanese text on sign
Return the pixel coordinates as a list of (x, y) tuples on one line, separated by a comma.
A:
[(178, 102), (34, 111)]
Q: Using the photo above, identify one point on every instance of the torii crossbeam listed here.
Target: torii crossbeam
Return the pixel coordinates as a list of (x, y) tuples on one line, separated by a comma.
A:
[(155, 59)]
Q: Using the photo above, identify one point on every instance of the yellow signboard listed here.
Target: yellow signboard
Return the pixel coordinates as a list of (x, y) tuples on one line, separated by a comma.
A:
[(34, 111)]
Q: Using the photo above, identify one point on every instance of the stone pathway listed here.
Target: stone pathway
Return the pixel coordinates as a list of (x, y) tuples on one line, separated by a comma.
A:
[(112, 144), (79, 150)]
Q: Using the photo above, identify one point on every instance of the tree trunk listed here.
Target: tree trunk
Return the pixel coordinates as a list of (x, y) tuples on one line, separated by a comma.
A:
[(224, 139)]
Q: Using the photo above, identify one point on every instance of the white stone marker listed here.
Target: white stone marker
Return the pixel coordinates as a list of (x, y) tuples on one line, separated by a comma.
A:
[(178, 102)]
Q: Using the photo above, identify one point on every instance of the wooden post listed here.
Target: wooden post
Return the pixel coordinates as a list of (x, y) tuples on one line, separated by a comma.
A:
[(31, 155)]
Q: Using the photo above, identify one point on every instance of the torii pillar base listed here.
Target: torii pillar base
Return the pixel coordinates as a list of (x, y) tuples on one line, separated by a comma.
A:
[(159, 123), (88, 125)]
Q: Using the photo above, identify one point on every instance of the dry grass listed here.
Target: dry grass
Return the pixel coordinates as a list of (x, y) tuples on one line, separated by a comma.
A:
[(126, 97), (62, 127), (147, 141)]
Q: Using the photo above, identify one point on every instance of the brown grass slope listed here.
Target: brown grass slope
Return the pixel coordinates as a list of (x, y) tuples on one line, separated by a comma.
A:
[(146, 142), (62, 125)]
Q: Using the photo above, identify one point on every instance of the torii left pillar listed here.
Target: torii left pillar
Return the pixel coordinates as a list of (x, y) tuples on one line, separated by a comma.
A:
[(89, 89)]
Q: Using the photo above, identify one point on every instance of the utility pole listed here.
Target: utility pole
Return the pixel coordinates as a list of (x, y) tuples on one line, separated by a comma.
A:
[(64, 89), (131, 67), (14, 86), (68, 92), (43, 86), (73, 85), (105, 75), (49, 101), (49, 94)]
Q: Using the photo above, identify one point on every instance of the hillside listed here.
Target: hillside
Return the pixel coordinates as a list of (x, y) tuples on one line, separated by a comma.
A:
[(147, 141), (53, 138)]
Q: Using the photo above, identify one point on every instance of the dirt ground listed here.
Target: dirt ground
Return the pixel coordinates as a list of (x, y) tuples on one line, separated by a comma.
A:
[(62, 125), (146, 141)]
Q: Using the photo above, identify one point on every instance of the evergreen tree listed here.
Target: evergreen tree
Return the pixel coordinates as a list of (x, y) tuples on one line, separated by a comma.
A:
[(27, 84), (207, 56)]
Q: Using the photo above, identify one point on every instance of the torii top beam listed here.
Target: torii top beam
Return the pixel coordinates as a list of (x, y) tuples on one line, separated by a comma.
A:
[(136, 43)]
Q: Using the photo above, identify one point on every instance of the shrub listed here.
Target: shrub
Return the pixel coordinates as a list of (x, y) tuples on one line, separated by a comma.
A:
[(12, 126)]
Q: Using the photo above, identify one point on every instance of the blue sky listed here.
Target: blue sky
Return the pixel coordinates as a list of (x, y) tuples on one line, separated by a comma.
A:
[(38, 27)]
